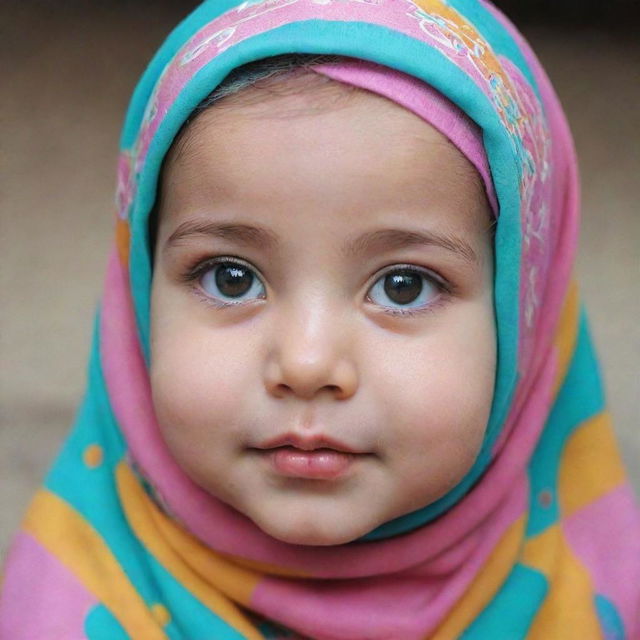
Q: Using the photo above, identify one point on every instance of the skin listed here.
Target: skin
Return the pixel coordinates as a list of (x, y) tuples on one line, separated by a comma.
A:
[(318, 350)]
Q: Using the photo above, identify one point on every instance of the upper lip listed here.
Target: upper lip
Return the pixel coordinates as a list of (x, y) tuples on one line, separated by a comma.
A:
[(306, 443)]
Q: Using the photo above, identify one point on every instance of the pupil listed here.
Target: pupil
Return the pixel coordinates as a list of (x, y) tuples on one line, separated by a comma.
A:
[(233, 280), (403, 287)]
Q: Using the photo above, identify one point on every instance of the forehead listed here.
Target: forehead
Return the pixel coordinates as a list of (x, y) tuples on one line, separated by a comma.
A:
[(327, 142)]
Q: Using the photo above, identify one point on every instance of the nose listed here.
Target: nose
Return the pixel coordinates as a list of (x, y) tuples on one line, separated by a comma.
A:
[(311, 353)]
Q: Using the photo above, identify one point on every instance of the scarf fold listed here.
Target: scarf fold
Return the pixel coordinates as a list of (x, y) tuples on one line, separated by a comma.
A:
[(541, 539)]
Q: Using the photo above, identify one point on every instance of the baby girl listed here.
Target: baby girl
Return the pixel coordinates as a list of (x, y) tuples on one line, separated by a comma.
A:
[(341, 386)]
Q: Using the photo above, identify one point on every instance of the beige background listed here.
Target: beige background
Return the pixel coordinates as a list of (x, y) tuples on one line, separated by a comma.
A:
[(67, 76)]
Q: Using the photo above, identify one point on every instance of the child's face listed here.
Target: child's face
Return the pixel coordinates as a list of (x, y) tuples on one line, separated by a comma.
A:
[(322, 283)]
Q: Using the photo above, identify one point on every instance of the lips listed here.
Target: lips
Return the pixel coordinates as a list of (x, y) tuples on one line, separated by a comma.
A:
[(309, 457), (320, 464)]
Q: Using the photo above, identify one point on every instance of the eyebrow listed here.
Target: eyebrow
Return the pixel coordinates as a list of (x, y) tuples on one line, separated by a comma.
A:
[(389, 239), (370, 242), (241, 233)]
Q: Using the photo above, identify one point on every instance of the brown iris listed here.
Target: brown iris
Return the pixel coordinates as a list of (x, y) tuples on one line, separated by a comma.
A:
[(403, 286), (233, 280)]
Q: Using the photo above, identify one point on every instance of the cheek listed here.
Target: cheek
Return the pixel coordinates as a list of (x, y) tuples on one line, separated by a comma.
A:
[(195, 396), (195, 385), (184, 383), (439, 394)]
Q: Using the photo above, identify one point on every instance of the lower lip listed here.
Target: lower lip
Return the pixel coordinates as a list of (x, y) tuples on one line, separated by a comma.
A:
[(319, 464)]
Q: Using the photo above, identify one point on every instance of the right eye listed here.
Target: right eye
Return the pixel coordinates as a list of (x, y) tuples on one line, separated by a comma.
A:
[(230, 282)]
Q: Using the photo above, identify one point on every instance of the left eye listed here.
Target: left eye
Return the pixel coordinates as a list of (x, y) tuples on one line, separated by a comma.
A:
[(231, 282), (406, 287)]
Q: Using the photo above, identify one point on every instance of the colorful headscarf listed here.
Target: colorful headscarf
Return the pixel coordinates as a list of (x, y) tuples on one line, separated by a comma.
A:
[(541, 539)]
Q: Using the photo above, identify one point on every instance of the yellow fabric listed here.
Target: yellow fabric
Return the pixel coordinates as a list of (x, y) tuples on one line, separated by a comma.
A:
[(93, 456), (591, 447), (161, 614), (123, 240), (486, 584), (70, 538), (566, 335), (195, 566), (569, 605)]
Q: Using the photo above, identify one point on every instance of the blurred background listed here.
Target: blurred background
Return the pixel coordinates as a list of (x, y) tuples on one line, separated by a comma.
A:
[(69, 67)]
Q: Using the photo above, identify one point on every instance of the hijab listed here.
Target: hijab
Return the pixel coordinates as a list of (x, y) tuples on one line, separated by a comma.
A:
[(539, 540)]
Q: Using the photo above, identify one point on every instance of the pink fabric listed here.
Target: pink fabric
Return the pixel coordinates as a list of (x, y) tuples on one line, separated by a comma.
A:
[(60, 612), (423, 100)]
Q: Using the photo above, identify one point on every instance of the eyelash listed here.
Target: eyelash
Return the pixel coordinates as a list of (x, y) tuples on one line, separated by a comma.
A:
[(199, 267)]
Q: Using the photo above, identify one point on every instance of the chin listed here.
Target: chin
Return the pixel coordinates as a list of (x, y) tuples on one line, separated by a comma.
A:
[(311, 533)]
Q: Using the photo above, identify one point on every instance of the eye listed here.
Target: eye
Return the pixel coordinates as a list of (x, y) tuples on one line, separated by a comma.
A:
[(230, 282), (405, 288)]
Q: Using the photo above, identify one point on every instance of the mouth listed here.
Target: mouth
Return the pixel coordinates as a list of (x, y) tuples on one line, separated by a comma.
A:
[(309, 457)]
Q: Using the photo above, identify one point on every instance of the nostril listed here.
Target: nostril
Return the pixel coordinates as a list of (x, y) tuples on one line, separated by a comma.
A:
[(281, 390)]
